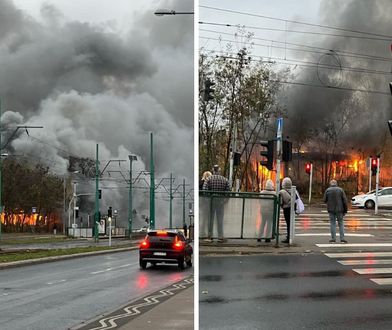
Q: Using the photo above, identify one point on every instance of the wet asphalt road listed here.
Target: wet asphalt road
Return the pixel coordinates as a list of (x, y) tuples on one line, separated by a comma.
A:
[(62, 294), (289, 292)]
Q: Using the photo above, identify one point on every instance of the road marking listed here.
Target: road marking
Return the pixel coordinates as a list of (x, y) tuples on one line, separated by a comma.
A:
[(355, 245), (359, 254), (111, 268), (365, 262), (328, 234), (55, 282), (382, 281), (366, 271)]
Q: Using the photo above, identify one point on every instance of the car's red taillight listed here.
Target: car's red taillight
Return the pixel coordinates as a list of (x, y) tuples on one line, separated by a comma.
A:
[(144, 244), (179, 245)]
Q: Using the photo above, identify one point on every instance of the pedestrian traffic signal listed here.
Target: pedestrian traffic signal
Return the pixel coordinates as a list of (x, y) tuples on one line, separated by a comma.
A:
[(268, 154), (374, 166), (287, 153), (308, 168), (208, 90), (110, 213), (99, 194)]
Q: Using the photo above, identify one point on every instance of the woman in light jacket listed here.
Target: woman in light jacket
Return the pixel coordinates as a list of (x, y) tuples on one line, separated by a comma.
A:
[(267, 212), (285, 203)]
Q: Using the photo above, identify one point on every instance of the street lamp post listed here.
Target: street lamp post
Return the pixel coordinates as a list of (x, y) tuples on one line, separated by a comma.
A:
[(164, 12), (131, 159)]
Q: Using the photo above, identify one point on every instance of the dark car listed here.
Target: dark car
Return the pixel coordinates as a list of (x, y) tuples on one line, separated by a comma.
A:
[(165, 246)]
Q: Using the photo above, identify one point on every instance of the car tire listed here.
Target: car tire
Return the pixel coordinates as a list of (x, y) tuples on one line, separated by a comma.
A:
[(143, 264), (181, 264), (369, 204)]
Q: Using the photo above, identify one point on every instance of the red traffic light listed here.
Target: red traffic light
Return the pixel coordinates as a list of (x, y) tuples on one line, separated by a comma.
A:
[(308, 167), (374, 164)]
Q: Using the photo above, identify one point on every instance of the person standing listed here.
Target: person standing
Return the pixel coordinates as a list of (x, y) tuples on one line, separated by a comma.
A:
[(285, 203), (206, 175), (217, 182), (267, 212), (337, 205)]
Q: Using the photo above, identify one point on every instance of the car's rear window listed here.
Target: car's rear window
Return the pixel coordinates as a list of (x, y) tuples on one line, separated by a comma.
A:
[(162, 234)]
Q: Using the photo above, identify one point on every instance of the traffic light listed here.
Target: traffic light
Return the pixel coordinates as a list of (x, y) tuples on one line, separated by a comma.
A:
[(99, 194), (374, 166), (76, 213), (308, 167), (390, 126), (390, 86), (208, 90), (236, 159), (287, 153), (268, 153), (110, 213)]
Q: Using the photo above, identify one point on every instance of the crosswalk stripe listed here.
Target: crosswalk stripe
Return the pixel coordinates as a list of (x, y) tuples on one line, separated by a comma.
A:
[(382, 281), (328, 234), (356, 245), (358, 254), (365, 262), (366, 271)]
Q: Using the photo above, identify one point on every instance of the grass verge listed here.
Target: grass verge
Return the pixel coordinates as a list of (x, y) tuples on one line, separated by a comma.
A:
[(19, 255)]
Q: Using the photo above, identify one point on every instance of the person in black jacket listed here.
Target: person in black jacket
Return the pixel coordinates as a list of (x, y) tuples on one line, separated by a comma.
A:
[(336, 200)]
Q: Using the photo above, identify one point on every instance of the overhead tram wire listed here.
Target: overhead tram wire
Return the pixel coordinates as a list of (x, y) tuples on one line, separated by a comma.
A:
[(322, 50), (325, 66), (299, 22), (294, 31), (322, 86)]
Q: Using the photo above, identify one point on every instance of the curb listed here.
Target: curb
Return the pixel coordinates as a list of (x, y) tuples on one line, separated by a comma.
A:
[(21, 263)]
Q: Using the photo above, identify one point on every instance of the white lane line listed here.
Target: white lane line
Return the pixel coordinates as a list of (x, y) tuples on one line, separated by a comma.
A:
[(359, 254), (356, 245), (111, 268), (382, 281), (367, 262), (367, 271), (328, 234), (55, 282)]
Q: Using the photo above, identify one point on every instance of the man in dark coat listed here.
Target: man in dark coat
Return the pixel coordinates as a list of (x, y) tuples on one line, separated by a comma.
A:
[(336, 200)]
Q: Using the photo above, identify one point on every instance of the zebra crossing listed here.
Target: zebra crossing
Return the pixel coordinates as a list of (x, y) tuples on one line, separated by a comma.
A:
[(366, 256)]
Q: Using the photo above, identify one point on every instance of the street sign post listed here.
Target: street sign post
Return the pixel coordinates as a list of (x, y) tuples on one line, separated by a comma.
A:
[(278, 152)]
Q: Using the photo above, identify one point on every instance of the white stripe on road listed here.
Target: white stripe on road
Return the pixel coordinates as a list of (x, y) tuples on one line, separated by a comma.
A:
[(55, 282), (359, 254), (365, 262), (328, 234), (367, 271), (382, 281), (356, 245), (111, 268)]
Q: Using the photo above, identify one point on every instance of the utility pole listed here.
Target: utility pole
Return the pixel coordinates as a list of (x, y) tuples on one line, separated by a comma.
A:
[(74, 207), (370, 174), (130, 219), (152, 184), (232, 151), (171, 202), (377, 184), (96, 218), (183, 202), (278, 152), (310, 182)]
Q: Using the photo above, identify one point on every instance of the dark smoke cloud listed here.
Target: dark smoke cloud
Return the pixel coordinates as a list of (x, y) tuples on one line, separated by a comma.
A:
[(310, 107), (87, 84)]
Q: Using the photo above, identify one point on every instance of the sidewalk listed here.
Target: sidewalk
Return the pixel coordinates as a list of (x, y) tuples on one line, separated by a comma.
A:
[(175, 313)]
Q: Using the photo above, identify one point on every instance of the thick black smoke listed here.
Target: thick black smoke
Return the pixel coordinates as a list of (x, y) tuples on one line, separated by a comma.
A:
[(87, 84), (366, 113)]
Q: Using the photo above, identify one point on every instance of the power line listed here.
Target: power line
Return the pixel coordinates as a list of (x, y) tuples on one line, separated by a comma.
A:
[(323, 86), (319, 65), (297, 22), (293, 31), (340, 52)]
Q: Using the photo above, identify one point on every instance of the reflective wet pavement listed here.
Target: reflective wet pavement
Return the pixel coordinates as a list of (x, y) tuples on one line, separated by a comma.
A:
[(309, 285), (289, 292)]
